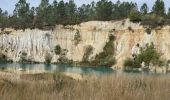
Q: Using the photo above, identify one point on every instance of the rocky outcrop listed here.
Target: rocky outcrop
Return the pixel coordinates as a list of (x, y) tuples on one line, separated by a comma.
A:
[(37, 43)]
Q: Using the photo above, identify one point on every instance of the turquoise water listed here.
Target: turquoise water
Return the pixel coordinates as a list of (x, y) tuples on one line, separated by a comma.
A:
[(40, 68)]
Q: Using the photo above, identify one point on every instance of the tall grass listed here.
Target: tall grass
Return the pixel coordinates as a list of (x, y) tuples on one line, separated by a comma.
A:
[(110, 87)]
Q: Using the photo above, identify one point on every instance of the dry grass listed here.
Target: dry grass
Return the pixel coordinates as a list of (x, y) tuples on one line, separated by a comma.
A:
[(111, 87)]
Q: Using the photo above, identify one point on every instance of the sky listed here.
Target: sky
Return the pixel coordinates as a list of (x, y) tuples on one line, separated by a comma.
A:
[(9, 5)]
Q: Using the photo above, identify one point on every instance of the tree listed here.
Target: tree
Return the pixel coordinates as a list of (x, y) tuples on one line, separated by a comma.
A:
[(159, 8), (168, 14), (71, 12), (144, 9), (122, 10), (4, 20), (57, 49), (148, 55), (104, 10), (62, 15), (135, 16), (42, 13), (22, 13), (32, 16), (55, 11)]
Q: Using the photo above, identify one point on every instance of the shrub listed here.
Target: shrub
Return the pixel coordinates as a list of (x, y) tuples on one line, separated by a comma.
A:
[(147, 55), (152, 20), (23, 57), (148, 31), (77, 38), (3, 57), (135, 16), (106, 58), (48, 58), (57, 49), (128, 62), (87, 53)]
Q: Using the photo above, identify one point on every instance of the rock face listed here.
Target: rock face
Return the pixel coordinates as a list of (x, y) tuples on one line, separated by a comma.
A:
[(37, 43)]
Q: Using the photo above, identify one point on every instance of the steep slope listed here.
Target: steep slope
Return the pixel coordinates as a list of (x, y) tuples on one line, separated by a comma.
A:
[(37, 43)]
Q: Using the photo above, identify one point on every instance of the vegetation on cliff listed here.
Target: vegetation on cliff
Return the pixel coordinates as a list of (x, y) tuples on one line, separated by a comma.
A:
[(106, 57), (148, 55), (60, 12)]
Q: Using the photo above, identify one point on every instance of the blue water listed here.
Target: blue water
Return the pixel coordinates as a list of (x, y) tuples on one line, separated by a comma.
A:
[(56, 68)]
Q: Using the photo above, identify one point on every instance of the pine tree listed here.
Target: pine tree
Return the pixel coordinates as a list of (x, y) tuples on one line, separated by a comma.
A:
[(104, 10), (144, 9), (159, 8), (22, 13)]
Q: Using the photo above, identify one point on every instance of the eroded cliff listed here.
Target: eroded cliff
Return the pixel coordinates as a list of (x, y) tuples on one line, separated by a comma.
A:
[(37, 43)]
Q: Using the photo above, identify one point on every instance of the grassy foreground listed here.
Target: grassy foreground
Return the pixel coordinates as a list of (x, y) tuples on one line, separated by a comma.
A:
[(60, 87)]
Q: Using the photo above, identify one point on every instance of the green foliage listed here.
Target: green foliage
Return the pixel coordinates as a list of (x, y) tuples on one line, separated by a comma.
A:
[(159, 8), (23, 57), (168, 14), (77, 38), (4, 21), (3, 57), (128, 62), (46, 15), (21, 12), (135, 16), (106, 58), (152, 20), (87, 53), (148, 55), (57, 49), (104, 10), (48, 58), (144, 9), (148, 31)]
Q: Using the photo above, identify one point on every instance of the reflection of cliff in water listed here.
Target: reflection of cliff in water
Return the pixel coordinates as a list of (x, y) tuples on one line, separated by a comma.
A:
[(42, 68)]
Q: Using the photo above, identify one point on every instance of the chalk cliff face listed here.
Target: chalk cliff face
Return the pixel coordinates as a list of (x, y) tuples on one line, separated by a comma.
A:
[(37, 43)]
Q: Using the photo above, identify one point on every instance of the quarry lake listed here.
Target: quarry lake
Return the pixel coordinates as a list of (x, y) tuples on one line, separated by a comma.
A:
[(42, 68)]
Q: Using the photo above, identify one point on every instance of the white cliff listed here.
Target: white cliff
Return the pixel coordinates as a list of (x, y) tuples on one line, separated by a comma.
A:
[(36, 43)]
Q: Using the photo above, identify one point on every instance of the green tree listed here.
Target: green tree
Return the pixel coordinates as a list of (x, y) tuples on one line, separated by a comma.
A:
[(104, 10), (57, 49), (4, 20), (22, 13), (62, 15), (144, 9), (32, 16), (168, 14), (121, 10), (135, 16), (42, 13), (71, 12), (159, 8), (55, 11), (147, 55)]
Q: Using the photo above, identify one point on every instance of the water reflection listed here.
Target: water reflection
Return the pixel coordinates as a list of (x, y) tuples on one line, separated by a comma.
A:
[(41, 68)]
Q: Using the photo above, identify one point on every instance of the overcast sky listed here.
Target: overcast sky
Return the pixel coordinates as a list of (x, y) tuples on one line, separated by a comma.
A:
[(9, 5)]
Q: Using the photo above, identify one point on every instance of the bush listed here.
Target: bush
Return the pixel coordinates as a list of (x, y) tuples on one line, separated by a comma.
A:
[(77, 38), (106, 58), (148, 55), (152, 20), (3, 57), (128, 62), (57, 49), (23, 57), (87, 53), (48, 58), (135, 16), (148, 31)]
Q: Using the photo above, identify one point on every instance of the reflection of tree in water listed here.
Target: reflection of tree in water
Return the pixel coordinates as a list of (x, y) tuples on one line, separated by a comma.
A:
[(47, 67), (61, 68)]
